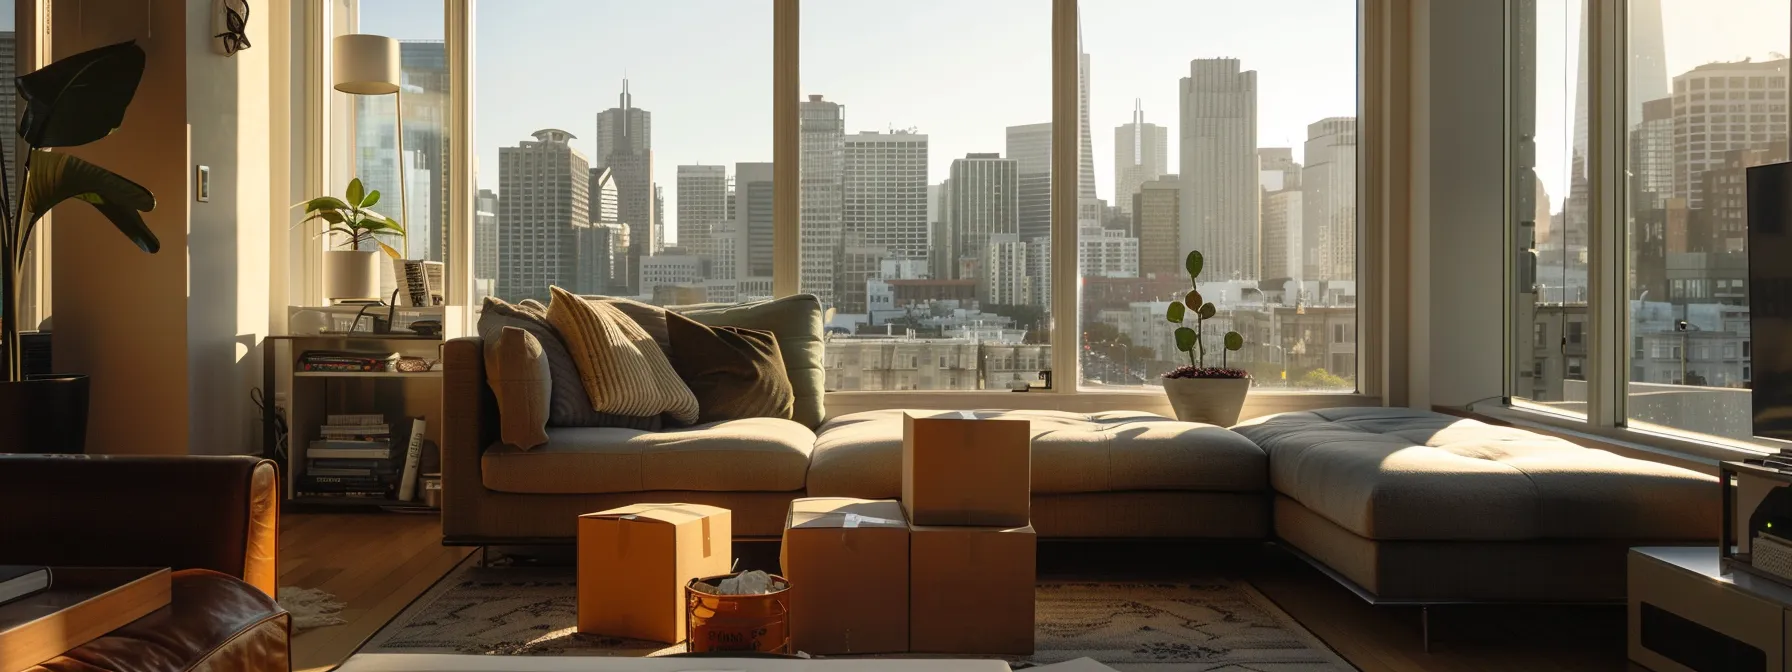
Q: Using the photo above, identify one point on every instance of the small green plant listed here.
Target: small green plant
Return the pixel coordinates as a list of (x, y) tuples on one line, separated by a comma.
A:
[(353, 216), (1190, 340), (1323, 379)]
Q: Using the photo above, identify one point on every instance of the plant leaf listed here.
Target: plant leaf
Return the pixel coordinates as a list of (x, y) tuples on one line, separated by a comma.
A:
[(1207, 310), (372, 198), (1234, 341), (325, 203), (389, 251), (330, 216), (1185, 339), (58, 176), (81, 98), (1194, 263), (1176, 312), (1193, 298), (356, 192)]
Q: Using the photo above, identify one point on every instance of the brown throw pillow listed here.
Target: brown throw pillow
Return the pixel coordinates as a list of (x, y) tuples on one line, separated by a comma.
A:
[(623, 370), (517, 370), (571, 406), (734, 373)]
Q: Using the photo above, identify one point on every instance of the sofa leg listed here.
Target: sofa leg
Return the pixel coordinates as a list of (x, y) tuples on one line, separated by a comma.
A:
[(1425, 627)]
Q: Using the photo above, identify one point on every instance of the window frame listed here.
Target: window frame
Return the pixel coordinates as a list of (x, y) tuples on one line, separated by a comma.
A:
[(1382, 45)]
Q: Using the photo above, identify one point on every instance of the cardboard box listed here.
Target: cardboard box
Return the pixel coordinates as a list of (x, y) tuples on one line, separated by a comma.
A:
[(958, 470), (634, 563), (847, 562), (971, 590)]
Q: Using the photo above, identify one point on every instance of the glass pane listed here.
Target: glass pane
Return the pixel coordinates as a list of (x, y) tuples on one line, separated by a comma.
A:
[(1250, 159), (420, 201), (648, 173), (1706, 101), (925, 194), (1550, 188)]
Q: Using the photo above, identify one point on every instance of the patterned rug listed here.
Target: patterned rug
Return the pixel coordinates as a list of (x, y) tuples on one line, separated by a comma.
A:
[(1221, 625)]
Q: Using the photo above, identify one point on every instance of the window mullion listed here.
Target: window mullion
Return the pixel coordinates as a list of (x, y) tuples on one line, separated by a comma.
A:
[(1065, 277), (458, 29), (786, 149), (1605, 242)]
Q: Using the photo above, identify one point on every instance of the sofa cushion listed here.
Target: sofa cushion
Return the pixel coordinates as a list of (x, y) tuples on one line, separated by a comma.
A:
[(754, 454), (519, 376), (1403, 474), (624, 371), (796, 322), (860, 455), (735, 373), (570, 405)]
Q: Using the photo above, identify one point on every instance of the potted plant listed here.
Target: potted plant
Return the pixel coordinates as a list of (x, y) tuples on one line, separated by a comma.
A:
[(353, 273), (69, 103), (1196, 392)]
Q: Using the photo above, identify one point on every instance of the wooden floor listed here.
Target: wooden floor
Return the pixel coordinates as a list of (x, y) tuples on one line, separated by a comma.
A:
[(378, 562)]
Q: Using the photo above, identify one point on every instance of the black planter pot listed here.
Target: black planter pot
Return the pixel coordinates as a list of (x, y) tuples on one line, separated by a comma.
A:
[(44, 415)]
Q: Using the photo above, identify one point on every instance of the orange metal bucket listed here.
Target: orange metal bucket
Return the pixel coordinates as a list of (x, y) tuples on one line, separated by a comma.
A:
[(738, 622)]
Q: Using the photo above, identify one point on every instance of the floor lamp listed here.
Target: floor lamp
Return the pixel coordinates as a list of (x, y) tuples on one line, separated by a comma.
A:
[(368, 65)]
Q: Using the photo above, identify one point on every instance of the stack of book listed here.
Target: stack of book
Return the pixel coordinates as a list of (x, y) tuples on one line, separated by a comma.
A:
[(354, 456), (341, 360)]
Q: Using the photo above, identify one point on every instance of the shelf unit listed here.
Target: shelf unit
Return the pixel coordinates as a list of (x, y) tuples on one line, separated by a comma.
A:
[(308, 397)]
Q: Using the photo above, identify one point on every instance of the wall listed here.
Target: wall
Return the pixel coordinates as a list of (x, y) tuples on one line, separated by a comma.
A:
[(171, 340), (1458, 202)]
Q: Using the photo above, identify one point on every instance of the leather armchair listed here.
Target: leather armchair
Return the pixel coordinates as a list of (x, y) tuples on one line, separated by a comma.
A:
[(214, 520)]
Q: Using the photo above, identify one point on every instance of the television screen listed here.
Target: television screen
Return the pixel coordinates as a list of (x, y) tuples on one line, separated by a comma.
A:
[(1770, 297)]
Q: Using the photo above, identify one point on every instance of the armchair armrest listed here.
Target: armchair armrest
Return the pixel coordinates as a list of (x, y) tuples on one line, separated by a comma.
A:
[(183, 512)]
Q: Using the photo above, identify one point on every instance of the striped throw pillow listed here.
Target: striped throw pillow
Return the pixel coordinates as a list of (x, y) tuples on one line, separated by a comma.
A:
[(624, 371)]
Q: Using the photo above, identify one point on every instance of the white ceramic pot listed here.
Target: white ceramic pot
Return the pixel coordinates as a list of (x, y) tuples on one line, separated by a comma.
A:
[(351, 274), (1215, 401)]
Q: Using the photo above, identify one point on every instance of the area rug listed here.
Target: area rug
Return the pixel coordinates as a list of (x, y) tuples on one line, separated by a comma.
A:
[(1218, 625), (309, 607)]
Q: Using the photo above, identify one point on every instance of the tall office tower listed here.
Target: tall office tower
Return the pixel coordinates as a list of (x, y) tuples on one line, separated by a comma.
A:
[(1652, 156), (822, 173), (941, 261), (1277, 169), (1039, 273), (659, 218), (424, 71), (1157, 216), (1219, 167), (1328, 200), (596, 256), (1002, 271), (702, 210), (1282, 235), (753, 199), (485, 235), (1085, 155), (1647, 70), (1753, 116), (1031, 147), (859, 264), (984, 202), (625, 146), (886, 193), (1141, 154), (544, 199)]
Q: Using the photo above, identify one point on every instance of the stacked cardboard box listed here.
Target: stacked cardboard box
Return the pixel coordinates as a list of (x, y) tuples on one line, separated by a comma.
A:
[(635, 561), (847, 561), (967, 489)]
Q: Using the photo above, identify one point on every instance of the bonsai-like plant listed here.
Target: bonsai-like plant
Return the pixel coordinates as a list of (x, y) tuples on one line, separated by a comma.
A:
[(1192, 340), (69, 103), (352, 216)]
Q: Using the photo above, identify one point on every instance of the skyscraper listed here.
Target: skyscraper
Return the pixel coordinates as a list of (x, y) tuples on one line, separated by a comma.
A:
[(1219, 167), (886, 194), (9, 110), (1651, 156), (753, 199), (485, 235), (822, 174), (625, 146), (597, 259), (543, 201), (1141, 154), (424, 71), (984, 203), (1030, 145), (1328, 200), (1085, 163), (1279, 175), (702, 210), (1157, 216), (1753, 116)]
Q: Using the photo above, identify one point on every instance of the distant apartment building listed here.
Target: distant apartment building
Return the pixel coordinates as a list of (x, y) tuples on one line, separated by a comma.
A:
[(886, 192), (1003, 273), (485, 235), (984, 203), (544, 200), (702, 209), (1157, 216), (822, 172), (1328, 200), (1107, 253), (753, 198), (670, 270), (1030, 146), (598, 271), (1721, 107)]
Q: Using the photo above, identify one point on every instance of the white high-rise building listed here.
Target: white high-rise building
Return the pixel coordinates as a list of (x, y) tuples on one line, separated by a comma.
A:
[(1282, 251), (1751, 116), (1107, 253), (1030, 146), (543, 202), (984, 204), (485, 235), (1328, 200), (1003, 278), (702, 210), (886, 193), (1141, 154), (670, 270), (823, 141), (1220, 197)]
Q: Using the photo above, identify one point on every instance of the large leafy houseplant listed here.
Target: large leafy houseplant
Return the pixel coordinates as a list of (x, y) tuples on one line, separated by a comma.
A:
[(353, 217), (69, 103), (1197, 392)]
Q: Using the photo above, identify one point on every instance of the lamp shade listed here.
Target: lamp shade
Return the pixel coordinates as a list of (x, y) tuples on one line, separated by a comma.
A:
[(366, 64)]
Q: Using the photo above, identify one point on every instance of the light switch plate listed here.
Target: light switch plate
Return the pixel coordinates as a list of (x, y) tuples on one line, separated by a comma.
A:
[(202, 184)]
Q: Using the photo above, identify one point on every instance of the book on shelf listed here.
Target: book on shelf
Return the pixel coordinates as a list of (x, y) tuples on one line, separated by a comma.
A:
[(357, 419), (354, 430), (347, 494), (350, 471), (374, 464), (338, 360), (436, 272), (324, 482), (413, 455), (380, 452), (424, 282), (17, 581)]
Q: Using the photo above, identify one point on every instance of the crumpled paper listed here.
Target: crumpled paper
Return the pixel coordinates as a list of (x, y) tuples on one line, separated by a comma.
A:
[(745, 583)]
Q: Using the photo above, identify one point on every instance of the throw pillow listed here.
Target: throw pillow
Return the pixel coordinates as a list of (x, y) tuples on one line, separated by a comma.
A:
[(517, 370), (623, 370), (735, 373), (796, 322), (569, 406)]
